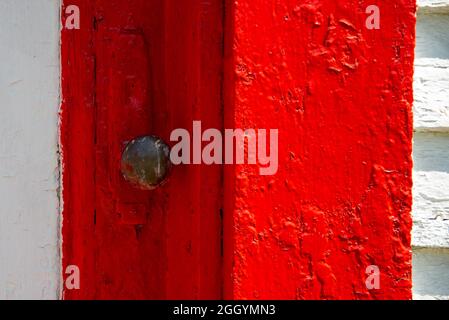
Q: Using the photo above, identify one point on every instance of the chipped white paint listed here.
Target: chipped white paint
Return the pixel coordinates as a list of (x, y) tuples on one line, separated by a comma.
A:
[(29, 99)]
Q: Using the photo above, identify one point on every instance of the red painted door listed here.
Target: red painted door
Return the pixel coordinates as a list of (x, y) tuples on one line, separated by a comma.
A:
[(340, 95), (136, 68)]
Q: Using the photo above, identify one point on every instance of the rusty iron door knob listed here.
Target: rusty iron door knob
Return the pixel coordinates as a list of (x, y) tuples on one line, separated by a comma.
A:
[(146, 162)]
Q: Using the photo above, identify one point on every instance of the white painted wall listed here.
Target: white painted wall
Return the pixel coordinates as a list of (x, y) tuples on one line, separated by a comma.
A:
[(29, 101)]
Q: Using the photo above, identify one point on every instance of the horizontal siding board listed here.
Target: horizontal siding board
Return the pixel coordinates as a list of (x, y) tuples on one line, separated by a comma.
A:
[(433, 6), (431, 85), (431, 274), (432, 38), (431, 190)]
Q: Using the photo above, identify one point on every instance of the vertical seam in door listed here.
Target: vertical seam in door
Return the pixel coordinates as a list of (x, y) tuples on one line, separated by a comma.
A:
[(222, 111)]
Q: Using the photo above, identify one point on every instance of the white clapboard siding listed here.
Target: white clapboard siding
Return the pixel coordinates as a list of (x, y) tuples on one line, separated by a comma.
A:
[(431, 121), (430, 235)]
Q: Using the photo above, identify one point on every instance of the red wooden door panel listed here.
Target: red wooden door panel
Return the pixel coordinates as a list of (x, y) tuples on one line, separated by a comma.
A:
[(124, 76), (340, 95)]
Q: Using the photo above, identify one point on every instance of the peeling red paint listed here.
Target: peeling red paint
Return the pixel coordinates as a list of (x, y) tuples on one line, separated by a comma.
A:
[(339, 94)]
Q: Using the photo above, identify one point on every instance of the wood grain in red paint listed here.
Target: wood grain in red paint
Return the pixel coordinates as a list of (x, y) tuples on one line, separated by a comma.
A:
[(137, 68), (341, 97), (78, 148)]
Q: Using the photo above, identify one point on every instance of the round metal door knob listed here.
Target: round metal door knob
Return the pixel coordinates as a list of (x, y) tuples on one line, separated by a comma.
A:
[(146, 162)]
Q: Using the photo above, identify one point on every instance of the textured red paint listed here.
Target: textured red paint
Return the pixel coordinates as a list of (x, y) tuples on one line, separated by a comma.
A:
[(135, 68), (340, 96)]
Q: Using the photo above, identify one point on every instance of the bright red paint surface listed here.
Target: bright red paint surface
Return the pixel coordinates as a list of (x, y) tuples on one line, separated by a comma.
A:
[(340, 96)]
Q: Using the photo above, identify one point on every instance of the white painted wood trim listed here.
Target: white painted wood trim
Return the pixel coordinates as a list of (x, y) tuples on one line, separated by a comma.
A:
[(29, 104)]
